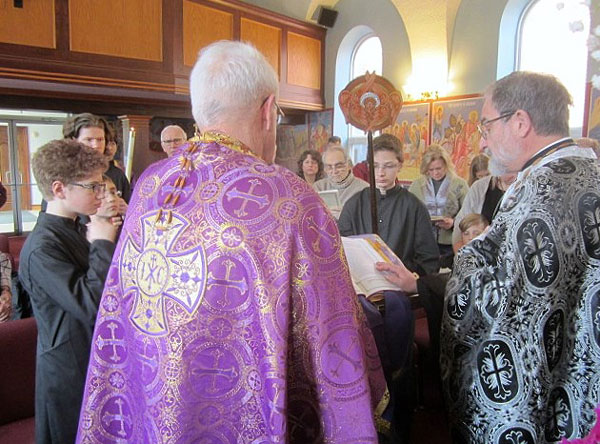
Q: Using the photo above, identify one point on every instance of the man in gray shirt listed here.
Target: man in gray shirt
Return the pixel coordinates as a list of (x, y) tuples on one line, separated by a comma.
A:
[(339, 177)]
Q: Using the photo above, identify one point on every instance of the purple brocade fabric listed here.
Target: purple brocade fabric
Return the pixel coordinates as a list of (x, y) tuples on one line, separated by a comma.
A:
[(229, 315)]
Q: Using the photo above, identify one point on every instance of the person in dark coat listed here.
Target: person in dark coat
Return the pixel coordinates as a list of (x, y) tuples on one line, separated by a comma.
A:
[(403, 221), (95, 132), (116, 174), (64, 274)]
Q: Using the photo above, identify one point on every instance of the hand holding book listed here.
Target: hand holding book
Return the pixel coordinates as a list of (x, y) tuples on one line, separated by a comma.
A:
[(399, 275), (363, 252)]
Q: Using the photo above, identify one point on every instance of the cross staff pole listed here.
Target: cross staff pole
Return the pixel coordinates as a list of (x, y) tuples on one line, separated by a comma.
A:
[(370, 103), (372, 191)]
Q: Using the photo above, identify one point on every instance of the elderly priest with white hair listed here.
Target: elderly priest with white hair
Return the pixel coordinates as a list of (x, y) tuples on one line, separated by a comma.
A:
[(229, 314)]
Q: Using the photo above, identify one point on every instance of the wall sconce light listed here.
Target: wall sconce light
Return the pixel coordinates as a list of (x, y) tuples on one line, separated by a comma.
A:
[(429, 78), (429, 95)]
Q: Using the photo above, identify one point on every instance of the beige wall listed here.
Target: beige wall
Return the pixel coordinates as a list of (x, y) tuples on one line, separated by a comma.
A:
[(471, 29)]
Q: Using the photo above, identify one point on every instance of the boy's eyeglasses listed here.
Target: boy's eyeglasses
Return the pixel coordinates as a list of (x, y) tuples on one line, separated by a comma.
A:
[(97, 188), (385, 166)]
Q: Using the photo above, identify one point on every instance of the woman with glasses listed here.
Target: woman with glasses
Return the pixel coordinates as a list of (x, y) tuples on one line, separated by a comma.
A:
[(310, 166), (442, 192)]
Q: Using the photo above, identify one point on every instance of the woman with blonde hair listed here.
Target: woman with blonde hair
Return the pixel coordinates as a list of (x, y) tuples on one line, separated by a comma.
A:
[(442, 192)]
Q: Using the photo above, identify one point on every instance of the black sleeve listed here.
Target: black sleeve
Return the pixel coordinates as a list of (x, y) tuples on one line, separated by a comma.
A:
[(78, 293), (348, 215), (431, 289), (126, 189)]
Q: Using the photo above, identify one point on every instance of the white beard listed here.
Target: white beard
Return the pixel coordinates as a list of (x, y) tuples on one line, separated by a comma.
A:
[(496, 167)]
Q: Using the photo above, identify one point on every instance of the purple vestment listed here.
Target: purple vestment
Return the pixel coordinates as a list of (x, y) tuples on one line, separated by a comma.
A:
[(228, 314)]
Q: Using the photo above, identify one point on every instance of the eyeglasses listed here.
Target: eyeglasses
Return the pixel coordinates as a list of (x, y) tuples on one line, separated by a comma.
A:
[(483, 126), (385, 166), (172, 141), (280, 113), (335, 166), (97, 188)]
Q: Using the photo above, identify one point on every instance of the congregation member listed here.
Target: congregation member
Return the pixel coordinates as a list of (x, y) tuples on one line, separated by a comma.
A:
[(361, 169), (110, 204), (171, 138), (479, 168), (310, 166), (114, 172), (471, 226), (430, 288), (442, 192), (482, 198), (63, 272), (229, 313), (403, 221), (520, 349), (588, 142), (339, 177), (95, 132), (334, 140)]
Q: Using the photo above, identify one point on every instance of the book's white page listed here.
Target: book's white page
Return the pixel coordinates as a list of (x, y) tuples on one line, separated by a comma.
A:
[(361, 257)]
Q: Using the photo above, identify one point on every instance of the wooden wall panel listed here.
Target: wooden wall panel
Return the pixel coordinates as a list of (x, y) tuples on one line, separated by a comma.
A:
[(121, 28), (201, 26), (304, 61), (267, 40), (31, 25)]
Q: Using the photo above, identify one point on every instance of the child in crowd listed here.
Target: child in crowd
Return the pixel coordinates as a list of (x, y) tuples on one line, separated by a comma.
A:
[(472, 226), (64, 272), (111, 203)]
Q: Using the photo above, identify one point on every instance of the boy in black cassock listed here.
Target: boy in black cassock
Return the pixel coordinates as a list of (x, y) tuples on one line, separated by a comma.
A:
[(64, 273)]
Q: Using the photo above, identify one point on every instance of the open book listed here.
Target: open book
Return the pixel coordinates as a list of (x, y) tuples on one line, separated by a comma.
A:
[(362, 252)]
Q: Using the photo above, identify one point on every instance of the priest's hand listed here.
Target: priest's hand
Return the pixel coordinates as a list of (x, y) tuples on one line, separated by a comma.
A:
[(398, 275), (100, 228)]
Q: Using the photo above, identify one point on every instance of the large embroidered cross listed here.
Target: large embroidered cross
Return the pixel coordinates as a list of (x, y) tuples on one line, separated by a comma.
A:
[(120, 417), (559, 420), (239, 287), (218, 375), (321, 232), (345, 356), (111, 341), (154, 271), (247, 196), (497, 372)]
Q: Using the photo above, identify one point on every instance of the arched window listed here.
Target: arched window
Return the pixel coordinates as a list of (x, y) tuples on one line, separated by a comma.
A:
[(553, 39), (367, 56)]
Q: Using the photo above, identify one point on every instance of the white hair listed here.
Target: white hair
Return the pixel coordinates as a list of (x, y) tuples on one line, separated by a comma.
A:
[(229, 77), (166, 128)]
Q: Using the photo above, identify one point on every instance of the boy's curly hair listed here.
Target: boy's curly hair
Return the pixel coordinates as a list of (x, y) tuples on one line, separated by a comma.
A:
[(67, 161)]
